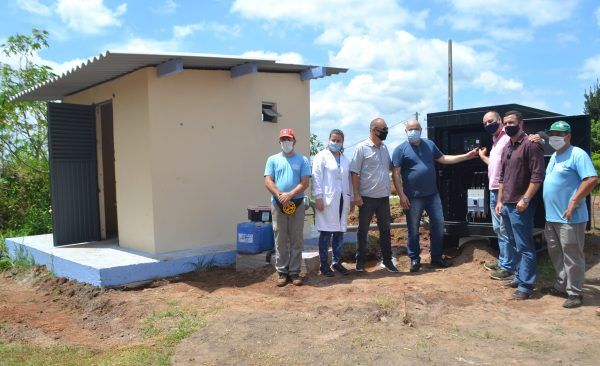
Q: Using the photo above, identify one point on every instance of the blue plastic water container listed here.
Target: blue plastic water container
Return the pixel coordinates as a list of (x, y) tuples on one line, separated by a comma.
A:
[(254, 237)]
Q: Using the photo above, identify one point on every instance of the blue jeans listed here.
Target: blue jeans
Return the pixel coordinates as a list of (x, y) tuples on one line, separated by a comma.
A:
[(433, 206), (507, 257), (337, 243), (519, 228)]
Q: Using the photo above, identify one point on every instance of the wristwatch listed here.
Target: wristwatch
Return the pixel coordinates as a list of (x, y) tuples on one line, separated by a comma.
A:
[(525, 199)]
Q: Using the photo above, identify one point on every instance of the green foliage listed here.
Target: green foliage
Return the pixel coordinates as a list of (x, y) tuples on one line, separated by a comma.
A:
[(595, 135), (315, 145), (24, 177), (591, 105)]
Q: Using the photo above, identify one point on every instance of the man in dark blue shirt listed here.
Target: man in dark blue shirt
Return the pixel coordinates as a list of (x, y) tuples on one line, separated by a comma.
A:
[(414, 178)]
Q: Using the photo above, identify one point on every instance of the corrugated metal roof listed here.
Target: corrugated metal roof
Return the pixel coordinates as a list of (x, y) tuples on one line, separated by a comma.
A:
[(111, 65)]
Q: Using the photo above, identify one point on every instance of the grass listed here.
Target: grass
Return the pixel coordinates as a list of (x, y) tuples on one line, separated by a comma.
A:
[(545, 270), (23, 260), (387, 302), (163, 331)]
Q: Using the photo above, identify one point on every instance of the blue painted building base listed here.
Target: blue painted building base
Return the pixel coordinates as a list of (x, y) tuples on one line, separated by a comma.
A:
[(105, 263)]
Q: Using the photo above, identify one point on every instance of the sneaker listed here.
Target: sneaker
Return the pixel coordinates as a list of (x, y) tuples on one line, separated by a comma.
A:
[(297, 280), (500, 274), (327, 272), (394, 262), (520, 295), (553, 292), (389, 266), (340, 268), (440, 262), (491, 266), (573, 301), (511, 284), (415, 265), (360, 267), (282, 279)]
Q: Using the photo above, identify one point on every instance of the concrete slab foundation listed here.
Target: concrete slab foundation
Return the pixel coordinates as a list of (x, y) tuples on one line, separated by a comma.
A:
[(107, 264)]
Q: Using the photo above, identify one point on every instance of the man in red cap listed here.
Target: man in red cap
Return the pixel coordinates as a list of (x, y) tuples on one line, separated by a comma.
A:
[(286, 177)]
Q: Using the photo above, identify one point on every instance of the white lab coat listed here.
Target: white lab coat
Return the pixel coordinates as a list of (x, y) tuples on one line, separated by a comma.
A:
[(330, 183)]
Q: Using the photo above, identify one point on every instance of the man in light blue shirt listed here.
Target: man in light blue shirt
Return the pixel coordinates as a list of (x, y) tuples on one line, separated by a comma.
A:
[(286, 178), (570, 177)]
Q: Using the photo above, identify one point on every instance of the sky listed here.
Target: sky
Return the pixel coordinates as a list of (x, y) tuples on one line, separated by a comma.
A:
[(539, 53)]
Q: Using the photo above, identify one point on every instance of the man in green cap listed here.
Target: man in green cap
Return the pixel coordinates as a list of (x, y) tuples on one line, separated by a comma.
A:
[(570, 177)]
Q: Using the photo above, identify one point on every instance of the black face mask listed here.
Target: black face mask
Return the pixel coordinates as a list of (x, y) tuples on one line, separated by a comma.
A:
[(512, 130), (491, 128), (382, 134)]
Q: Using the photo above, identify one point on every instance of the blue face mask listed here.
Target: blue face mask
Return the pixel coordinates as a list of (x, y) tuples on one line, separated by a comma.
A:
[(335, 146), (413, 135), (491, 128)]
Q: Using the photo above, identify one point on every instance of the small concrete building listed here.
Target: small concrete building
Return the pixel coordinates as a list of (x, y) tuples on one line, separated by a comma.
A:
[(164, 152)]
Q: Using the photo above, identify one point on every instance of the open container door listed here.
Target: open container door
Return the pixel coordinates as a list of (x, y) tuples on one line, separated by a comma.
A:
[(73, 173)]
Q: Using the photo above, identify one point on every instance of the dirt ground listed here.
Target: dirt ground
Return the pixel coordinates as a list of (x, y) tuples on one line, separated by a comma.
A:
[(452, 316)]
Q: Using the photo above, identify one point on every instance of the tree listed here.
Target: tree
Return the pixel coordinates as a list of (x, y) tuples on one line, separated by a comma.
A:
[(591, 106), (315, 145), (592, 101), (24, 178)]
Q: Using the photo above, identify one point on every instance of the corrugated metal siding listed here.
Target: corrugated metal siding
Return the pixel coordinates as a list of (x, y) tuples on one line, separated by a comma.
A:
[(111, 65), (73, 173)]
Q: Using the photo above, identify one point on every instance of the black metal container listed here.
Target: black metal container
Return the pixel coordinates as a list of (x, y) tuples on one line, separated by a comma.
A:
[(456, 132)]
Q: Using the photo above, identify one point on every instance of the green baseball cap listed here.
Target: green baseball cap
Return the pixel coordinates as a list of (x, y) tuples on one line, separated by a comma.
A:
[(560, 126)]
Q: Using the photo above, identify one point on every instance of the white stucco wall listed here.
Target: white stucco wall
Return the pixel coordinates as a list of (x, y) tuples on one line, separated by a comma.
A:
[(209, 148)]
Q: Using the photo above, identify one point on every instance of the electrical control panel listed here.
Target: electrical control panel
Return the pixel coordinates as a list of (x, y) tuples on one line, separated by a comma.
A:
[(476, 201), (471, 142)]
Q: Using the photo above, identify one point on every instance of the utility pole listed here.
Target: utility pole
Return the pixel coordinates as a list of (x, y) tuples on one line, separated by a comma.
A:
[(417, 116), (450, 86)]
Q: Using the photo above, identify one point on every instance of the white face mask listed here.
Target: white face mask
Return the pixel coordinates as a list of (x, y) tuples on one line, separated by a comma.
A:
[(287, 146), (557, 142)]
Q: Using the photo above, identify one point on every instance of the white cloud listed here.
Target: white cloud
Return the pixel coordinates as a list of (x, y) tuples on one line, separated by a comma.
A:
[(491, 81), (393, 73), (567, 38), (338, 18), (167, 7), (138, 44), (85, 16), (535, 12), (35, 7), (507, 20), (58, 67), (286, 58), (591, 68), (220, 30), (89, 16)]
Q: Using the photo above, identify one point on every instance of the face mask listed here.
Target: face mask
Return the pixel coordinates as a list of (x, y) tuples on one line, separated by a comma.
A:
[(512, 130), (413, 135), (335, 146), (382, 134), (491, 128), (287, 146), (557, 142)]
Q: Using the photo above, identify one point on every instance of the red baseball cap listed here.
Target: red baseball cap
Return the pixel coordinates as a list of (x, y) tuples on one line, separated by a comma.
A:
[(287, 132)]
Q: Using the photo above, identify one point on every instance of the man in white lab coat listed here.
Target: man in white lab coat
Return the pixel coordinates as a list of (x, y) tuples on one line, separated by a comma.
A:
[(332, 188)]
